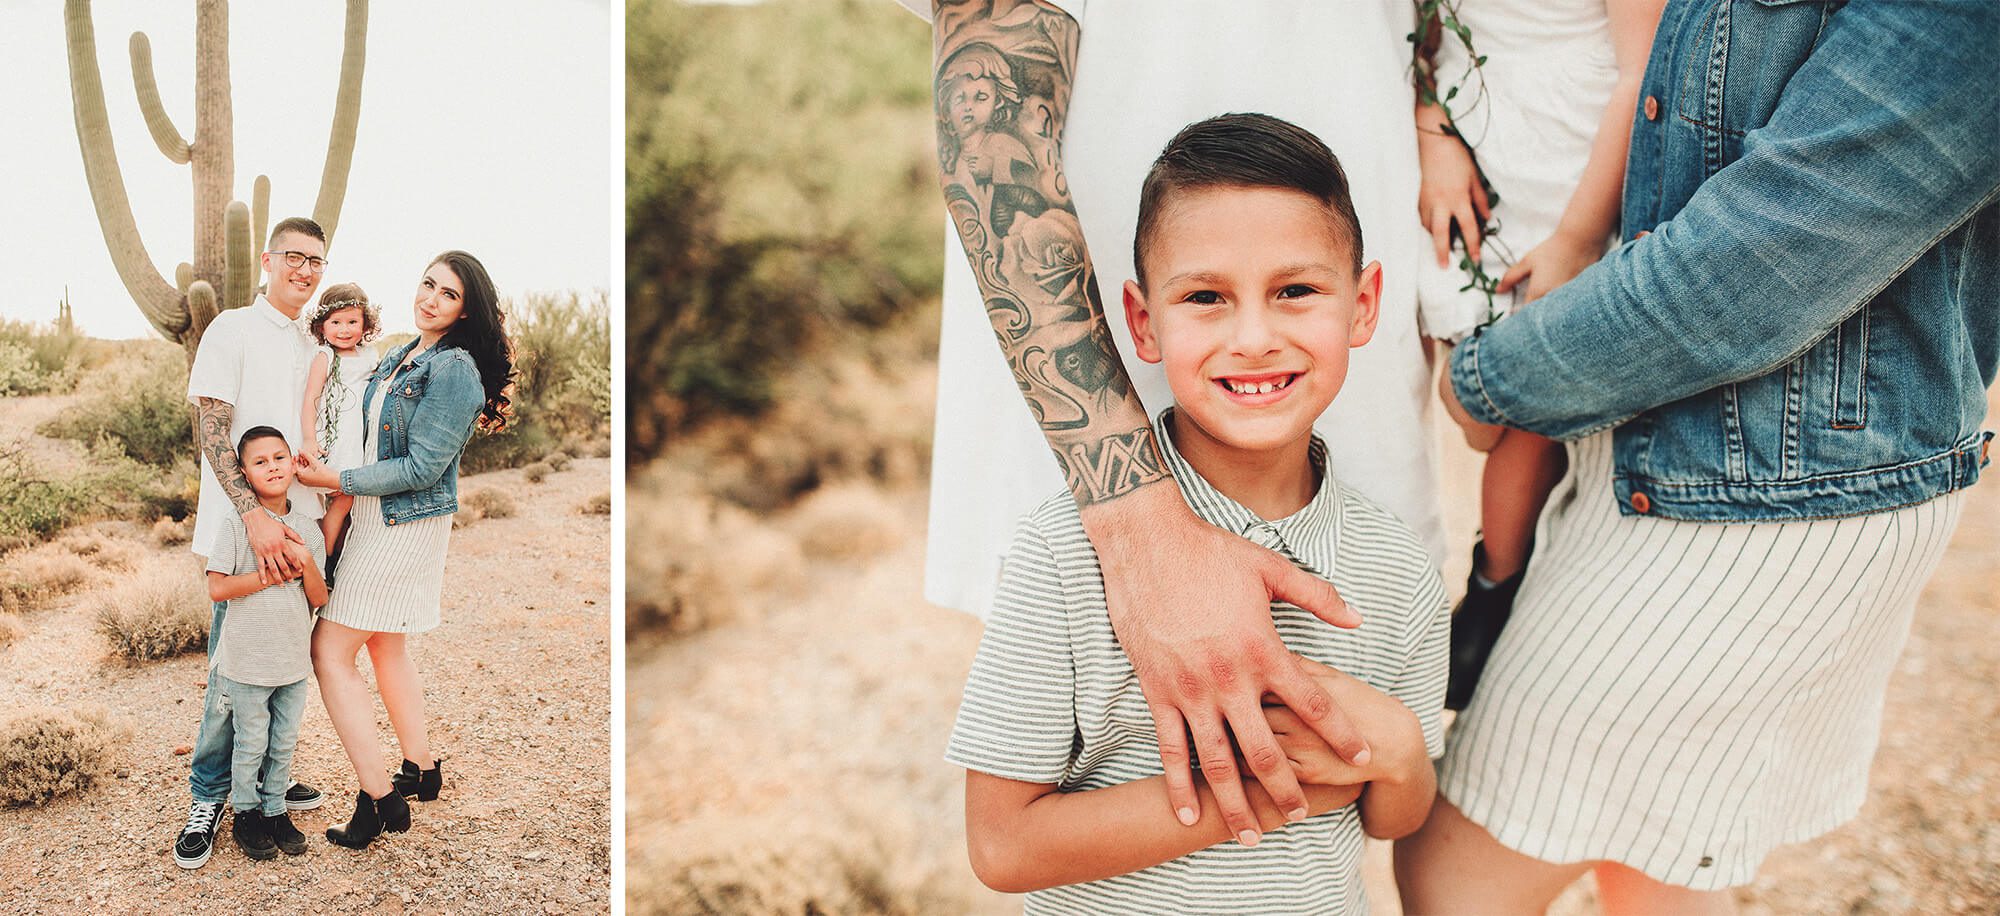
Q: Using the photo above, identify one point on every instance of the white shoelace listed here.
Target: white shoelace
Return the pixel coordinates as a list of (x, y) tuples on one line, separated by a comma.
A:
[(201, 817)]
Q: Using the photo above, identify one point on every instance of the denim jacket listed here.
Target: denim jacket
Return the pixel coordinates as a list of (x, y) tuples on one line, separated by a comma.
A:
[(426, 419), (1805, 313)]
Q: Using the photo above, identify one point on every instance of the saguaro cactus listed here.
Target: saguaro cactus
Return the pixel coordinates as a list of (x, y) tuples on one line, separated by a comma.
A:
[(225, 245)]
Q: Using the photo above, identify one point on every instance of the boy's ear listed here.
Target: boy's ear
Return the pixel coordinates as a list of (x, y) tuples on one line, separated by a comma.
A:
[(1139, 319), (1367, 304)]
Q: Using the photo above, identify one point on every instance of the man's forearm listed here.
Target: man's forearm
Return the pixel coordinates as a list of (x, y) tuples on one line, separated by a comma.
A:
[(214, 419), (1002, 93)]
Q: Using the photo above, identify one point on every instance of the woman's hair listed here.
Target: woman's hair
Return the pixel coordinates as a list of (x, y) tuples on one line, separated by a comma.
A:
[(341, 296), (481, 330)]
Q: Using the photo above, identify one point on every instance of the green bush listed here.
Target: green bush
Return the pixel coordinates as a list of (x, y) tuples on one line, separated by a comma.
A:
[(771, 199), (136, 406), (35, 505), (36, 359), (562, 350)]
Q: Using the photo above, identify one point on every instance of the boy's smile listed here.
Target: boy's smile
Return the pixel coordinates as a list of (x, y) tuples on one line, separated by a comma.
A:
[(1256, 308)]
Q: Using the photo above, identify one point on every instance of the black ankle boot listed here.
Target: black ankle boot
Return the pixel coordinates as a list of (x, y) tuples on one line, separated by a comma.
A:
[(422, 785), (1475, 628), (393, 812), (366, 824)]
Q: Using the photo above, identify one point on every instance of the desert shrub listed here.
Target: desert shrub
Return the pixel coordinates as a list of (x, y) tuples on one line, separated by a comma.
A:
[(34, 505), (35, 578), (35, 358), (755, 224), (55, 752), (169, 532), (488, 502), (845, 521), (699, 562), (537, 471), (562, 350), (135, 406), (557, 460), (11, 630), (597, 504), (158, 614), (99, 549)]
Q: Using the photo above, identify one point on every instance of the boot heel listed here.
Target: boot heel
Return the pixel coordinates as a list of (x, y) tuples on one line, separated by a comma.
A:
[(394, 812), (362, 828)]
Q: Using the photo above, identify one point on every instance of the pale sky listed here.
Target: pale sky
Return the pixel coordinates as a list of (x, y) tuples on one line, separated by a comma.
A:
[(485, 126)]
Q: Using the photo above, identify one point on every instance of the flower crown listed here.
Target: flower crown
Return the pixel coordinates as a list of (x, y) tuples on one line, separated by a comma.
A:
[(371, 320)]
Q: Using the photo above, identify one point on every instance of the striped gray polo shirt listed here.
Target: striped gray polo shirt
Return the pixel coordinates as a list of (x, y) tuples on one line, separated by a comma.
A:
[(1052, 699), (266, 635)]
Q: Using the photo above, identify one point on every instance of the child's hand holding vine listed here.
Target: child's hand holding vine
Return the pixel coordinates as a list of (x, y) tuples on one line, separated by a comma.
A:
[(1551, 264), (1450, 190)]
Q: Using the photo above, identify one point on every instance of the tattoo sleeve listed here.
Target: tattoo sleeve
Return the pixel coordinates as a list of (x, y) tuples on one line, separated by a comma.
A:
[(213, 420), (1004, 72)]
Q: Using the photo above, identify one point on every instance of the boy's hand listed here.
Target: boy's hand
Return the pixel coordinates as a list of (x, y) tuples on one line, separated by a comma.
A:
[(268, 538), (1190, 604), (1450, 191), (300, 554), (1391, 728), (1551, 264)]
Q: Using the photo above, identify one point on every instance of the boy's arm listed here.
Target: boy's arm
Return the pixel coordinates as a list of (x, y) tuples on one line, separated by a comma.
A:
[(1190, 603), (1025, 836), (225, 587), (1400, 780), (309, 411), (313, 580)]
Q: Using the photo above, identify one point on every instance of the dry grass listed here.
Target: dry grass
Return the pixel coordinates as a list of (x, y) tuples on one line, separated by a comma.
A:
[(158, 614), (11, 630), (99, 549), (169, 533), (36, 578), (488, 502), (845, 521), (599, 504), (536, 471), (557, 461), (693, 558), (55, 752)]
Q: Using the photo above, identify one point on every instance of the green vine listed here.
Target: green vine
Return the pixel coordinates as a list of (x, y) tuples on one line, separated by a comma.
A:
[(1435, 20)]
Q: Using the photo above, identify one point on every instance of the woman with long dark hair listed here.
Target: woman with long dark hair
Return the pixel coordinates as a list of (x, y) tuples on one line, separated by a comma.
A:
[(423, 402)]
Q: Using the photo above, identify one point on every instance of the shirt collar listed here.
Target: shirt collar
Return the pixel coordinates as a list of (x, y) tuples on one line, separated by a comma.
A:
[(1307, 537), (271, 314)]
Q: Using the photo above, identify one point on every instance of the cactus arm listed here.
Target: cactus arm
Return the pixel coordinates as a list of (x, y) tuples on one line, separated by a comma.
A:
[(260, 213), (165, 135), (239, 283), (162, 305), (183, 275), (346, 116), (201, 311)]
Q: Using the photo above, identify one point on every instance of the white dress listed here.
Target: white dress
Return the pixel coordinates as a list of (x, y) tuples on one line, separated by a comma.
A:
[(338, 423), (390, 578), (1682, 697), (1550, 68)]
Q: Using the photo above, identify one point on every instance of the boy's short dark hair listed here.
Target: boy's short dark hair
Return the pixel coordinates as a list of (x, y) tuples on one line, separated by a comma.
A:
[(298, 224), (1251, 151), (255, 433)]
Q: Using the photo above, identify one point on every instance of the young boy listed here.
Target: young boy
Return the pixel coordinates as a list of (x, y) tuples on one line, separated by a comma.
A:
[(264, 654), (1250, 292)]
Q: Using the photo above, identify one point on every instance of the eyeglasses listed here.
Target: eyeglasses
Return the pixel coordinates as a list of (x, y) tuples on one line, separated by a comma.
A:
[(298, 259)]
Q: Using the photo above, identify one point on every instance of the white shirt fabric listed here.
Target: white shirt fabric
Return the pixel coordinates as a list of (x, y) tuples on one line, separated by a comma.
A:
[(1144, 71), (255, 359)]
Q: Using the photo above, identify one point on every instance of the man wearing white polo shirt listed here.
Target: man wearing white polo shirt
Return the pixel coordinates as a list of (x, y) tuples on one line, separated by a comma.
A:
[(1048, 115), (250, 370)]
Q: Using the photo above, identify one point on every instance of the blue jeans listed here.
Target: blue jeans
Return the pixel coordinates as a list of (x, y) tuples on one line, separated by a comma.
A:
[(267, 730), (214, 744)]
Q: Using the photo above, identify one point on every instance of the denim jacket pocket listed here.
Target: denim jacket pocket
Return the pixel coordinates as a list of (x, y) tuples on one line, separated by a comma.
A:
[(1735, 68), (1850, 372)]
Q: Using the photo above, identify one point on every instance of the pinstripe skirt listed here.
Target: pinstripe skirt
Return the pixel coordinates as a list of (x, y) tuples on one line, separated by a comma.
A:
[(391, 577), (1682, 697)]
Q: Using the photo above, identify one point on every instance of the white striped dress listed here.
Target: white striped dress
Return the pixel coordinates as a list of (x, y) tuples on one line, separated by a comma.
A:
[(1682, 697), (389, 578), (1052, 699)]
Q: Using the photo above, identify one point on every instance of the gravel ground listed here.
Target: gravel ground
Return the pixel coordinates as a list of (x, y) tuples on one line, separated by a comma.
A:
[(518, 690), (790, 760)]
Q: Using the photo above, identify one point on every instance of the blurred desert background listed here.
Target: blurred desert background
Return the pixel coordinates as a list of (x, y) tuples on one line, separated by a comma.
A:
[(789, 690)]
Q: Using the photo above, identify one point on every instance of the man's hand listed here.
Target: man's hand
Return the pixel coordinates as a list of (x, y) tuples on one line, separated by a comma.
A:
[(268, 538), (1191, 605)]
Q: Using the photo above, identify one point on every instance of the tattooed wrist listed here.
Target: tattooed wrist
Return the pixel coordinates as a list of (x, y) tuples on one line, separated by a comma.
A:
[(213, 419), (1105, 469)]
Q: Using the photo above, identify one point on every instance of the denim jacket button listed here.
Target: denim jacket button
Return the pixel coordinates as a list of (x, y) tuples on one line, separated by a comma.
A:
[(1641, 504), (388, 521), (1652, 108)]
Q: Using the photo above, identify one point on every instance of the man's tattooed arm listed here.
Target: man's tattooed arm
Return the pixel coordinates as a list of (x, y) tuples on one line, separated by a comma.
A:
[(1004, 72), (214, 420)]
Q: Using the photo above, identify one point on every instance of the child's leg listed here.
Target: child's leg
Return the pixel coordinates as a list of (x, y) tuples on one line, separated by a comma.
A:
[(334, 523), (1452, 865), (1520, 471), (1626, 891), (403, 695), (249, 707), (287, 708)]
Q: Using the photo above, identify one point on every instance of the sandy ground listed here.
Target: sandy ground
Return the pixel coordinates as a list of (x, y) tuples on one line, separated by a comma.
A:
[(790, 761), (518, 687)]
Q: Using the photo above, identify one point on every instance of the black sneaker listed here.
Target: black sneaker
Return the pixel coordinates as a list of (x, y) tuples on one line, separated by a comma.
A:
[(302, 797), (285, 835), (252, 836), (197, 840), (1475, 628)]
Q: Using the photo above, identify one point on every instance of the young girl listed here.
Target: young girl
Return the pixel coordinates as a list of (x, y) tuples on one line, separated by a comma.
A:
[(343, 323), (1547, 115)]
